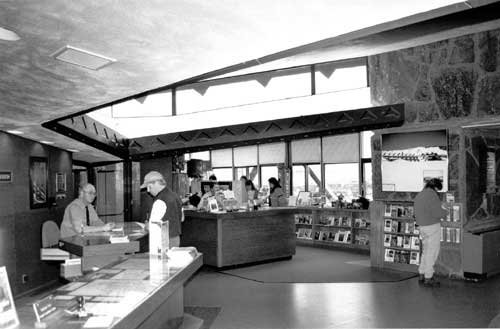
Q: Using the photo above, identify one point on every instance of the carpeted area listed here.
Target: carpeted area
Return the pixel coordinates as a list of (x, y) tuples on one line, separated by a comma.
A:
[(207, 314), (315, 265)]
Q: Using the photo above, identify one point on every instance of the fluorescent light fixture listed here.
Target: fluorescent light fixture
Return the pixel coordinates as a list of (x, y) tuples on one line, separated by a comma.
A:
[(16, 132), (82, 58), (47, 142), (74, 151), (8, 35)]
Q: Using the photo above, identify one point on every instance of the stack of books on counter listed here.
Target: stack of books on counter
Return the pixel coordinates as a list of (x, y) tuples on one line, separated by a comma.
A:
[(53, 254), (71, 268)]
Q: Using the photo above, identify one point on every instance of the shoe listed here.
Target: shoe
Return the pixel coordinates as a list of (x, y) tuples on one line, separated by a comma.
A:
[(432, 282), (421, 278)]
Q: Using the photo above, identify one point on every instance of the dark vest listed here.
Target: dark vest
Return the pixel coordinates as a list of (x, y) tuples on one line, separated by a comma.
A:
[(174, 211)]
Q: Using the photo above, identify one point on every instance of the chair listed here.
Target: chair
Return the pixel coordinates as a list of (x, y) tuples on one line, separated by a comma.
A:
[(50, 240)]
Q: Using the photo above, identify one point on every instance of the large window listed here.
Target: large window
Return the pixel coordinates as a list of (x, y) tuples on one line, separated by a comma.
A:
[(306, 177), (337, 164), (251, 173), (223, 174), (342, 178), (267, 172)]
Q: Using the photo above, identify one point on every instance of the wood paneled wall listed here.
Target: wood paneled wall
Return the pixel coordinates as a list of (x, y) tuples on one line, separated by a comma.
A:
[(20, 226)]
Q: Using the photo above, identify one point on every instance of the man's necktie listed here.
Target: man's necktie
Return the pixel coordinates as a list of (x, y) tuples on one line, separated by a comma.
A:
[(87, 215)]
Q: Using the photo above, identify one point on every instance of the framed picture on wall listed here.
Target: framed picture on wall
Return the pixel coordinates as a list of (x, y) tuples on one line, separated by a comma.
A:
[(60, 182), (38, 182), (8, 314)]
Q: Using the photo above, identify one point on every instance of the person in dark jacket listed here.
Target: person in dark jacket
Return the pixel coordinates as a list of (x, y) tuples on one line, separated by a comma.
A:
[(158, 189), (276, 196), (428, 214)]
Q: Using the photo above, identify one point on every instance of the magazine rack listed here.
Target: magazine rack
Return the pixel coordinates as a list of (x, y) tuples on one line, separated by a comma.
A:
[(401, 245), (333, 228)]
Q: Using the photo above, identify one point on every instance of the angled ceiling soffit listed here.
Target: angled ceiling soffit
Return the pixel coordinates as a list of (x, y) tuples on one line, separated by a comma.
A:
[(91, 132), (270, 131)]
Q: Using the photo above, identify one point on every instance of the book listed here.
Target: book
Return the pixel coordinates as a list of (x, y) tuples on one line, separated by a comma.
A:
[(387, 225), (409, 228), (340, 236), (336, 221), (331, 219), (301, 232), (387, 211), (407, 242), (357, 222), (448, 234), (394, 211), (316, 235), (442, 234), (397, 256), (415, 243), (389, 255), (456, 213), (415, 258), (387, 240), (400, 241), (457, 236), (405, 257), (395, 226), (394, 240), (415, 229)]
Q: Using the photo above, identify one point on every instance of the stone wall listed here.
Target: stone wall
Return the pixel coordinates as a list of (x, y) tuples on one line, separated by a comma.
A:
[(445, 84), (455, 78)]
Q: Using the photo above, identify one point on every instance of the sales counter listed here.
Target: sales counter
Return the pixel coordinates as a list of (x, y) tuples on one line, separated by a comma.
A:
[(236, 238), (139, 291), (96, 250)]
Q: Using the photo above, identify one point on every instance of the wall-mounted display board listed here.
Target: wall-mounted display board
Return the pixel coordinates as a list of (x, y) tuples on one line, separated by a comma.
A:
[(409, 160)]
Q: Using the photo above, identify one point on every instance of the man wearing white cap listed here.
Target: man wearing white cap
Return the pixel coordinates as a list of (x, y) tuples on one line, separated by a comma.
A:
[(167, 205)]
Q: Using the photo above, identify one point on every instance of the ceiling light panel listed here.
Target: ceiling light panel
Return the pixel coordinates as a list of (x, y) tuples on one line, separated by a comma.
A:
[(16, 132), (82, 58)]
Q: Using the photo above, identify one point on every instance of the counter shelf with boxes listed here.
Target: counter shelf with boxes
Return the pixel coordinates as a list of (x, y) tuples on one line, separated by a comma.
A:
[(333, 228)]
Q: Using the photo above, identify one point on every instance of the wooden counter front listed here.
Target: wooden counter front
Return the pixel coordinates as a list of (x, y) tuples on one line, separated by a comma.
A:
[(241, 237)]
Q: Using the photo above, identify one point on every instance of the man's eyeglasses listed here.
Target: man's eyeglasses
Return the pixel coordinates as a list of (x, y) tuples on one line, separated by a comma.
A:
[(90, 193)]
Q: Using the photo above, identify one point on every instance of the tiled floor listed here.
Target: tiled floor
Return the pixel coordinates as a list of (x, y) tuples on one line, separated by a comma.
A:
[(250, 304)]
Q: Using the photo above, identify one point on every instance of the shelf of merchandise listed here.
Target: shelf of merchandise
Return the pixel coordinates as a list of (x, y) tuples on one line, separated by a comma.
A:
[(451, 243), (321, 215), (405, 209)]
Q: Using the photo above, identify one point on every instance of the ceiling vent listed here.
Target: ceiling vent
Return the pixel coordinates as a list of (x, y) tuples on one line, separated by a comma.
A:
[(82, 58)]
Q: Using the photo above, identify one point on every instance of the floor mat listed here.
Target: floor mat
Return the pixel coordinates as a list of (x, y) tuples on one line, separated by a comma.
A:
[(314, 265), (207, 314)]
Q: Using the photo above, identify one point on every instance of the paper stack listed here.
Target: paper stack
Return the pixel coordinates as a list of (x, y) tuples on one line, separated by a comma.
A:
[(71, 268), (118, 239), (181, 256), (53, 254)]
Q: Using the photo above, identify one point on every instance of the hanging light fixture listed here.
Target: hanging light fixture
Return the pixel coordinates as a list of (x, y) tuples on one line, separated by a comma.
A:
[(8, 35)]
